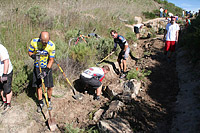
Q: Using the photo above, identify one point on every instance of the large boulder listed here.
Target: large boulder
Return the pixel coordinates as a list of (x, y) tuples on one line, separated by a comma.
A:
[(116, 125), (131, 88), (114, 107)]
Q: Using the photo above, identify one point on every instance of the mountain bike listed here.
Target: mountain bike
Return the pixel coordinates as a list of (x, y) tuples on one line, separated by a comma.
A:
[(80, 38)]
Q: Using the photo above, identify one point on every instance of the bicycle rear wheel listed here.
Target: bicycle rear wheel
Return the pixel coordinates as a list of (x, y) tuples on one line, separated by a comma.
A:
[(73, 41)]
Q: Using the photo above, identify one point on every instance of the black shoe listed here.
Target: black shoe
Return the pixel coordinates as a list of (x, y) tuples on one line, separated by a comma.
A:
[(2, 104), (7, 107), (97, 98), (122, 76)]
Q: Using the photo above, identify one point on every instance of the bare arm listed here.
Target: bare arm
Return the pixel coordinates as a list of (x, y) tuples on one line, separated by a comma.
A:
[(177, 34), (126, 46), (50, 63), (165, 34), (6, 65), (30, 53)]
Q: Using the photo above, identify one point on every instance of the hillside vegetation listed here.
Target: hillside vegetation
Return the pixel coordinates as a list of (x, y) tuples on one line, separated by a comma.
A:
[(23, 20)]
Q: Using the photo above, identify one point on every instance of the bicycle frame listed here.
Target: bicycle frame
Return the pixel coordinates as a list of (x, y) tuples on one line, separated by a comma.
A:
[(75, 40)]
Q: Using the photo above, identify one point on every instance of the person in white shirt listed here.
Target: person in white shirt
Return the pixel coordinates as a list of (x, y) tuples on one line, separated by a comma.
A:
[(93, 77), (161, 12), (137, 29), (170, 14), (171, 34), (6, 72)]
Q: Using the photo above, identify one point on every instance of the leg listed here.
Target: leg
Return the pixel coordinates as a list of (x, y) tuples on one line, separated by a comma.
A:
[(2, 95), (137, 35), (49, 92), (9, 97), (172, 48), (124, 65), (39, 93), (98, 93), (120, 64), (167, 47)]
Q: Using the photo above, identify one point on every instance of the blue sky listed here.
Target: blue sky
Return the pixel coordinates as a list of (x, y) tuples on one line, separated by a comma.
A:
[(193, 5)]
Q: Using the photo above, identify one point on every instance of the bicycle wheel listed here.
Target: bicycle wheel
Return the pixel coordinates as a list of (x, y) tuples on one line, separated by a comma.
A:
[(73, 41)]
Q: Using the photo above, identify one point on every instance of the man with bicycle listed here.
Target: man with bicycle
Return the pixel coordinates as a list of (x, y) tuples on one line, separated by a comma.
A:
[(124, 53), (42, 50)]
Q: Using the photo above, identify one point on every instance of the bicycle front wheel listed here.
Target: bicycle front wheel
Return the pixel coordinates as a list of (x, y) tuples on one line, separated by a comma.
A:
[(73, 41)]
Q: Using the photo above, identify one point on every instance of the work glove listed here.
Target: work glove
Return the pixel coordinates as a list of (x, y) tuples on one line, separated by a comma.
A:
[(35, 56), (44, 73), (4, 78)]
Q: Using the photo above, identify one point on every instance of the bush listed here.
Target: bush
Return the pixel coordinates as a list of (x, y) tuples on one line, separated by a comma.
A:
[(21, 78), (137, 74), (82, 53), (149, 15), (104, 47), (130, 37), (191, 39), (36, 14)]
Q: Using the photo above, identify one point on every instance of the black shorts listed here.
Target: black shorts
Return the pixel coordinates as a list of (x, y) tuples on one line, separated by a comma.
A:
[(6, 86), (93, 82), (136, 30), (37, 82)]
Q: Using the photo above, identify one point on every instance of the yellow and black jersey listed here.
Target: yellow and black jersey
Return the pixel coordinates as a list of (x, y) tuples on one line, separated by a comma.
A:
[(48, 51)]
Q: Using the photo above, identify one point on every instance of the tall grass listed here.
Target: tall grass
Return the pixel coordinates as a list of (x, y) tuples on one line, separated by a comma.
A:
[(23, 20)]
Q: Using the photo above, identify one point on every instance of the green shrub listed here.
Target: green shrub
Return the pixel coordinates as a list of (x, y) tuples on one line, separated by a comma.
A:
[(130, 37), (137, 74), (21, 76), (149, 15), (82, 53), (104, 47), (70, 129), (191, 38), (36, 14)]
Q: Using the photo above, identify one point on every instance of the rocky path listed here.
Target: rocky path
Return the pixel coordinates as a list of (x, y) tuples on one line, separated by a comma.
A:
[(187, 118)]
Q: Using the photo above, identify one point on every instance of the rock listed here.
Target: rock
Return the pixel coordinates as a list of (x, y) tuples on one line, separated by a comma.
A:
[(114, 107), (138, 19), (135, 45), (117, 125), (131, 88), (97, 115)]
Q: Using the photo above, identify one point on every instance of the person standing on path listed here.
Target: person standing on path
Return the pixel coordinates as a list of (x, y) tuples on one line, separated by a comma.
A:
[(183, 14), (161, 12), (93, 77), (124, 53), (45, 49), (165, 12), (171, 34), (6, 73)]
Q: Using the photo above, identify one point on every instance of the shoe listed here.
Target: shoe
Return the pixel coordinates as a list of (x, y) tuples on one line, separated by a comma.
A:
[(50, 106), (7, 107), (39, 108), (2, 104), (97, 98), (122, 76)]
